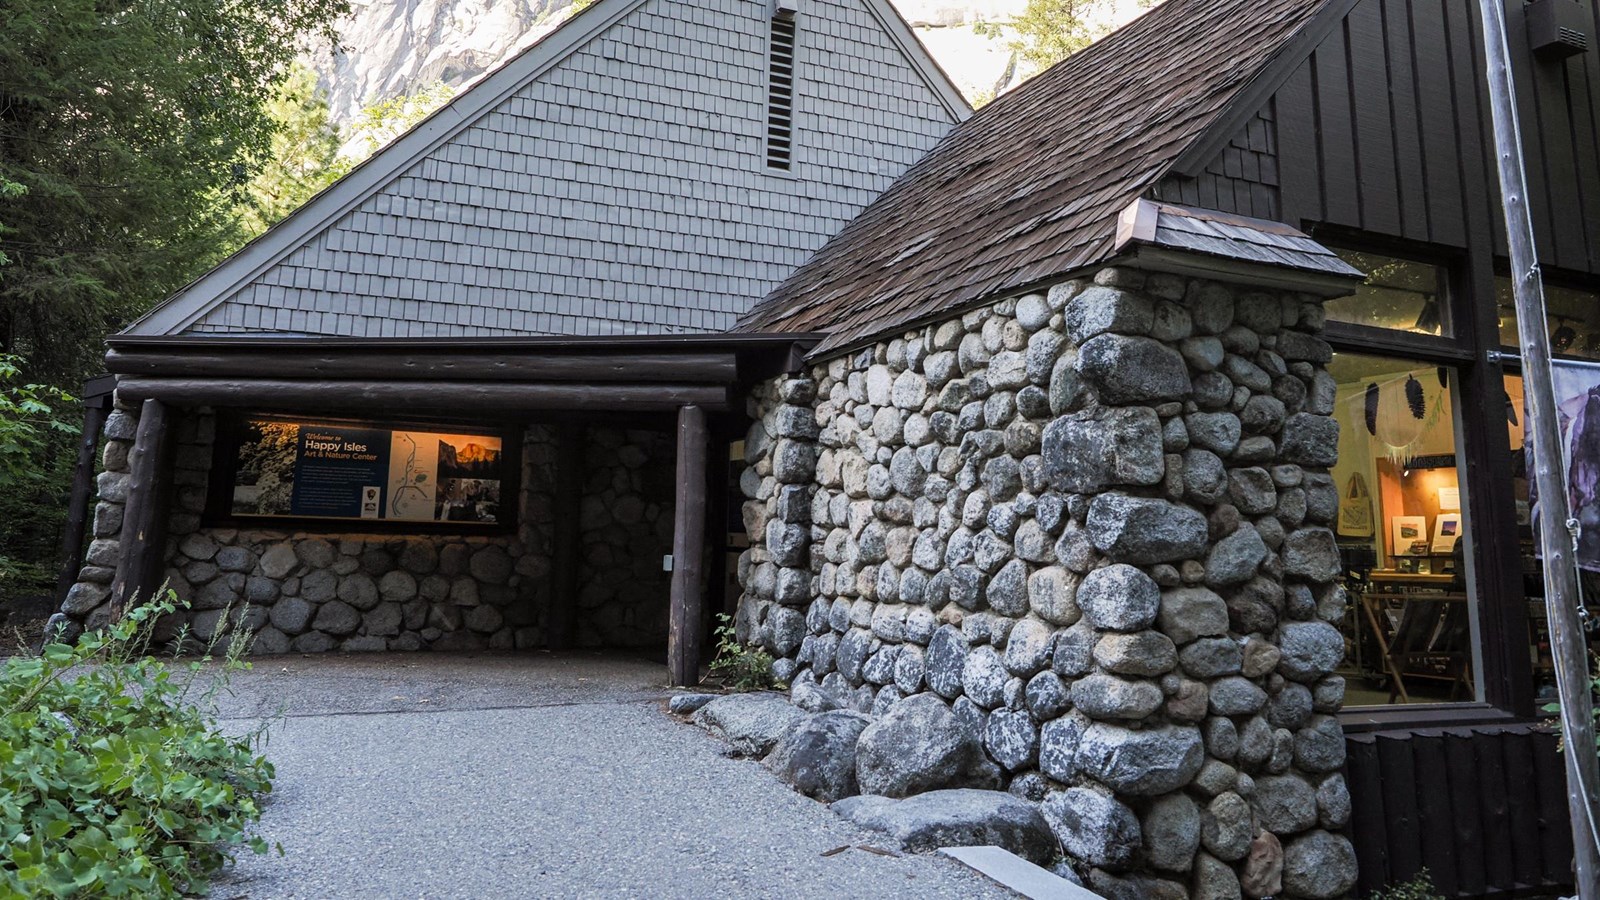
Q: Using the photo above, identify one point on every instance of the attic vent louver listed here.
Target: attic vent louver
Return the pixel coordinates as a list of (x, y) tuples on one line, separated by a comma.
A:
[(780, 93), (1556, 28)]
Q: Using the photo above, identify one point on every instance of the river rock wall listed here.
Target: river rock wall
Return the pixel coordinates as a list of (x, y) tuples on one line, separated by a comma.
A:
[(314, 591), (1094, 521)]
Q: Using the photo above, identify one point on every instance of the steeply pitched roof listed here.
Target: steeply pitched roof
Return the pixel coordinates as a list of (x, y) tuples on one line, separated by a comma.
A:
[(1031, 186), (610, 179)]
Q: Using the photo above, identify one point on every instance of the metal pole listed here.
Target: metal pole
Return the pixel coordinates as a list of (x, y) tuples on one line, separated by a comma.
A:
[(1567, 644)]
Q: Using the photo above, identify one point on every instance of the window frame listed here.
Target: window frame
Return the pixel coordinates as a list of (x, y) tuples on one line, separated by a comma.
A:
[(1472, 348)]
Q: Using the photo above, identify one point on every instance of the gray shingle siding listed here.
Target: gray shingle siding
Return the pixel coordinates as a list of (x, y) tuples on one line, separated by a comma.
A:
[(625, 191)]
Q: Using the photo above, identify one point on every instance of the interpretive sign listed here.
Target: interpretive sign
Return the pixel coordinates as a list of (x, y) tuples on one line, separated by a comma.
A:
[(326, 470)]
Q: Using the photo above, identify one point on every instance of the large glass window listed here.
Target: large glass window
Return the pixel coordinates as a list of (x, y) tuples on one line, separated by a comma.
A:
[(1404, 533), (1400, 294), (1574, 317)]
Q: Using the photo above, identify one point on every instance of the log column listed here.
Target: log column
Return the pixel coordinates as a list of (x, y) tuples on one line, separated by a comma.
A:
[(143, 543), (94, 418), (688, 549)]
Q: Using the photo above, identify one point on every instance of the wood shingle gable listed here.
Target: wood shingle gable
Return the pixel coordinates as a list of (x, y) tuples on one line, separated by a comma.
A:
[(609, 180), (1030, 188)]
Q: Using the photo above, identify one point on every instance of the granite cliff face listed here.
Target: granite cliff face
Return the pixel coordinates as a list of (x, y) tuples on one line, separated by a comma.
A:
[(394, 47)]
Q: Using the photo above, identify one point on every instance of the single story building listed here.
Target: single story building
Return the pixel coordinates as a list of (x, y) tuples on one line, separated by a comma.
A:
[(1162, 418)]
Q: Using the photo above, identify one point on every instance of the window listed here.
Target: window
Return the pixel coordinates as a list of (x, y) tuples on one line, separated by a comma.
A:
[(1574, 317), (780, 94), (1400, 294), (1404, 532)]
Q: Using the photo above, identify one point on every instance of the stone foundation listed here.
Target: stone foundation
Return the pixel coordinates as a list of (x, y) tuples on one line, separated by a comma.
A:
[(303, 591), (1094, 521)]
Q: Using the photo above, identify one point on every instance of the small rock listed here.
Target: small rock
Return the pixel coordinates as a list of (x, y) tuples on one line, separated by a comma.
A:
[(1319, 865), (1119, 597), (1093, 826), (956, 818), (919, 745), (1262, 873), (750, 723), (1145, 762), (818, 757), (1144, 530), (684, 704)]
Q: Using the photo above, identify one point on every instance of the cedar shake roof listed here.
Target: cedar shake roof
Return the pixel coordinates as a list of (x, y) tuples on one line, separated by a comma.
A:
[(1031, 186)]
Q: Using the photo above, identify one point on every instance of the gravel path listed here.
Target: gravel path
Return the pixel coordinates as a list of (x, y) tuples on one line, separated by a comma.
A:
[(533, 776)]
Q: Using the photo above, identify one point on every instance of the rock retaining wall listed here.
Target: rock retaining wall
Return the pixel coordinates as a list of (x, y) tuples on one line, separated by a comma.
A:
[(305, 591), (1094, 521)]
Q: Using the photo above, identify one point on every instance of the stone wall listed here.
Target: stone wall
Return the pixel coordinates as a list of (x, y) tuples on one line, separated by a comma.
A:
[(626, 522), (1093, 521), (305, 591)]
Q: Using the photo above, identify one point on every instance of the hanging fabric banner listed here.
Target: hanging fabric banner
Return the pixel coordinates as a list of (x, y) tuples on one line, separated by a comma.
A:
[(1577, 390)]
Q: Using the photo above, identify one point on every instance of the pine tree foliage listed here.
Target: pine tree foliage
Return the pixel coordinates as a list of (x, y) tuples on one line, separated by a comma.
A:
[(1048, 31), (128, 128), (302, 157)]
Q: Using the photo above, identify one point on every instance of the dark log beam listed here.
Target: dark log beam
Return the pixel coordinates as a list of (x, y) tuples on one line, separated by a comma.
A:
[(565, 558), (373, 396), (143, 543), (688, 549), (716, 368), (94, 418)]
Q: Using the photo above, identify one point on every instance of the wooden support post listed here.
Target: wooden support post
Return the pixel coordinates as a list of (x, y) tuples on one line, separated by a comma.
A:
[(144, 518), (94, 418), (1557, 527), (564, 557), (688, 549)]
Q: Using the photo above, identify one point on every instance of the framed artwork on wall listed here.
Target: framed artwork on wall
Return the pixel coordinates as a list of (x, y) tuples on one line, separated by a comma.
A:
[(1408, 532)]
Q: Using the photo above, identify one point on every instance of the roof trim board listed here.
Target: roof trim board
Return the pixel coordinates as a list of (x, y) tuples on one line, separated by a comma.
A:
[(911, 46), (1199, 154), (195, 300)]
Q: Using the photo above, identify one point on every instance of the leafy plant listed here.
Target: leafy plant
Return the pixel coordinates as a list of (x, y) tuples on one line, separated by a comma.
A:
[(1048, 31), (115, 778), (34, 454), (1420, 887), (1553, 708), (741, 668)]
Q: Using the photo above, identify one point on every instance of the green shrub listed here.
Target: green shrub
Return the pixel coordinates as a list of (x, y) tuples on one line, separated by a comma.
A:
[(1553, 708), (115, 778), (1420, 887), (738, 667)]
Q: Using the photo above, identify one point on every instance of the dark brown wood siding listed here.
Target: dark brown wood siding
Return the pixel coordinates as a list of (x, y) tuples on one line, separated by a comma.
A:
[(1384, 129), (1242, 179), (1482, 809)]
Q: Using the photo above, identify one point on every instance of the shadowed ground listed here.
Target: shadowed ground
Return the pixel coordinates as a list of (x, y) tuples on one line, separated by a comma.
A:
[(532, 775)]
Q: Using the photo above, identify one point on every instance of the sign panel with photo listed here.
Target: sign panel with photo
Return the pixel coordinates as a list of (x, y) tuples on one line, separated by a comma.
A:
[(340, 471)]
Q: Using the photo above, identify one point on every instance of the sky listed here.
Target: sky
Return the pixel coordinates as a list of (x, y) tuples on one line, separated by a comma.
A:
[(973, 61)]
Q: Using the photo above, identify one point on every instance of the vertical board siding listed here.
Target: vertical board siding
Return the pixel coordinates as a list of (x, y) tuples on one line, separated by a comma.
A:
[(1483, 810), (1378, 189), (1384, 129), (1335, 110), (1243, 179)]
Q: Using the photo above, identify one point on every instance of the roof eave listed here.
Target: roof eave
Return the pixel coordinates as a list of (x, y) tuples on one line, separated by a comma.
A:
[(1242, 272)]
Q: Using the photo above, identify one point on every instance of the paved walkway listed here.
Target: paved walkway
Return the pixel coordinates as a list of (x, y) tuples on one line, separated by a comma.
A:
[(431, 775)]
